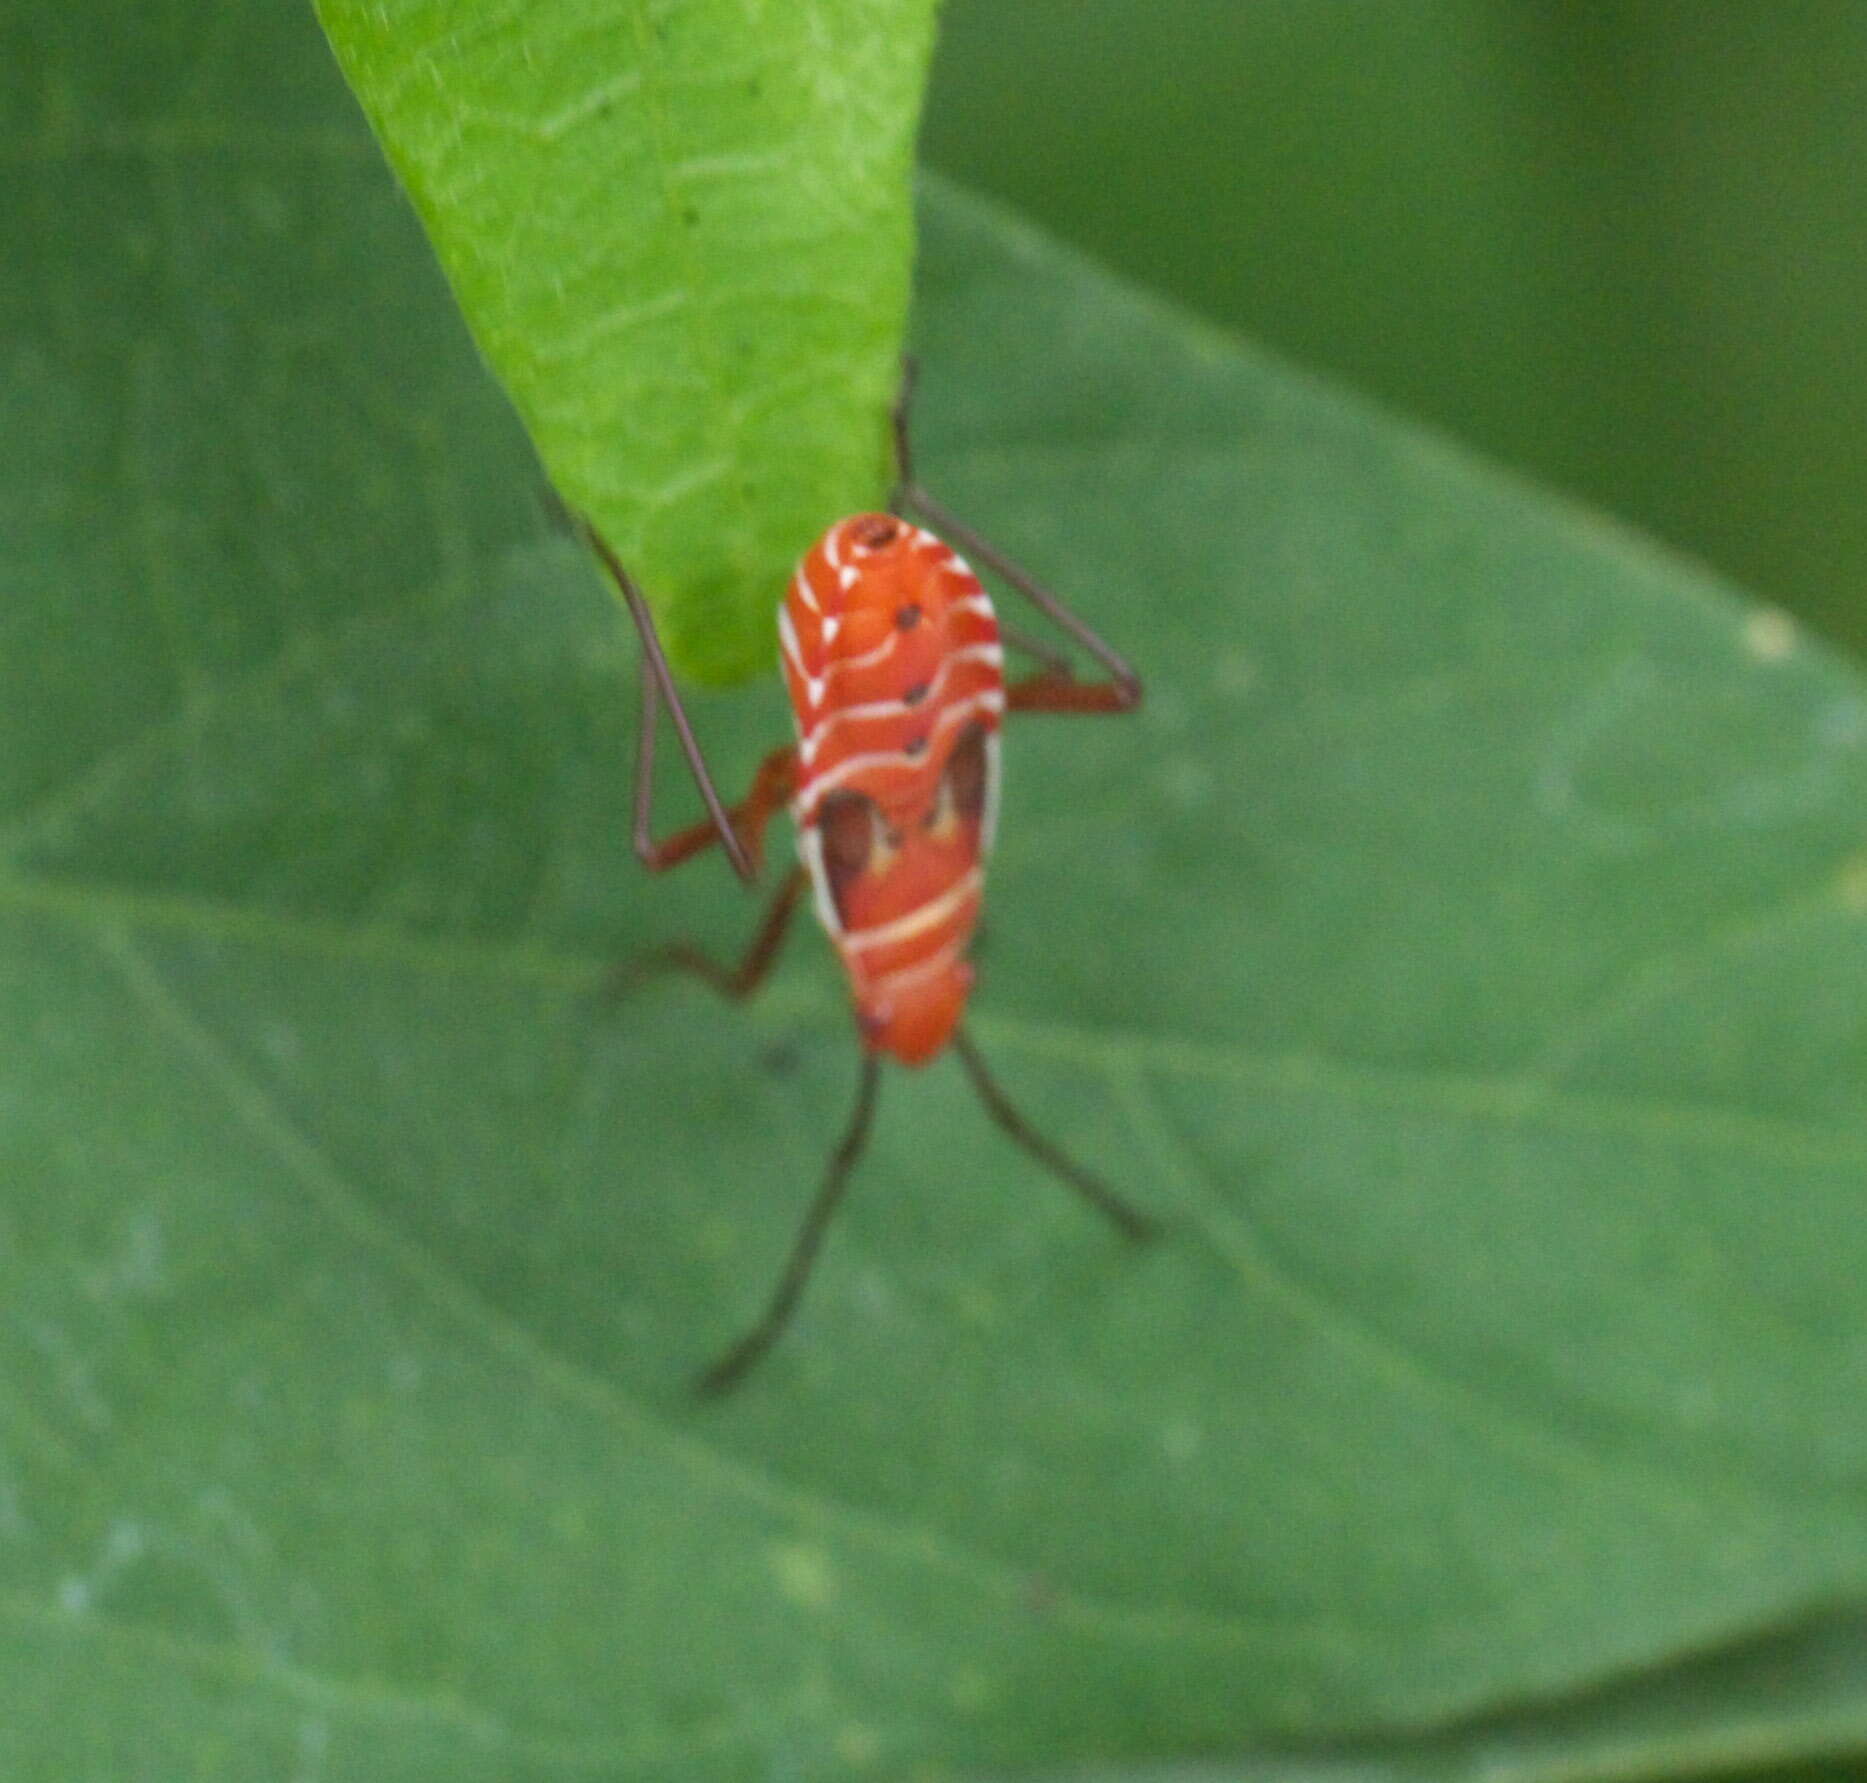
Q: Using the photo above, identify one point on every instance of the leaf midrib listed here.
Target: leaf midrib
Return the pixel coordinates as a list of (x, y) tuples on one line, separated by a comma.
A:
[(1509, 1101), (1123, 1061)]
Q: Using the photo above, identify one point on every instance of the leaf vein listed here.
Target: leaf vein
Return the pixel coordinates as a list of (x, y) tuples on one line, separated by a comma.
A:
[(1503, 1101), (351, 1212), (300, 651), (371, 1699), (1406, 1367)]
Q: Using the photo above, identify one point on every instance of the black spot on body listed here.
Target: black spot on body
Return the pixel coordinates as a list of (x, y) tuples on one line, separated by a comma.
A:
[(906, 618), (967, 771), (915, 694), (846, 823), (916, 746)]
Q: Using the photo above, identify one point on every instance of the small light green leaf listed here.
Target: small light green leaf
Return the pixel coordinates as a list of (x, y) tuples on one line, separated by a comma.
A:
[(681, 235), (1464, 952)]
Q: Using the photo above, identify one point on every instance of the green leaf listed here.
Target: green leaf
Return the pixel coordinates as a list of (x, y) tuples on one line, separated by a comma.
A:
[(1463, 953), (681, 236), (1728, 1714)]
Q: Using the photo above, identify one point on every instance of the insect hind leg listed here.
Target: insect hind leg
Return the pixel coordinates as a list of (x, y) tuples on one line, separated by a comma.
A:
[(734, 1364), (1130, 1221)]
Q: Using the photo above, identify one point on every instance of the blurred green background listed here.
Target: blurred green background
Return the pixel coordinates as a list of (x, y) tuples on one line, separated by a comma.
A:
[(1621, 245)]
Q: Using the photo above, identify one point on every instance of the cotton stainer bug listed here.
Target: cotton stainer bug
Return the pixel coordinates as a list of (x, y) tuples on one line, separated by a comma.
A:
[(893, 658)]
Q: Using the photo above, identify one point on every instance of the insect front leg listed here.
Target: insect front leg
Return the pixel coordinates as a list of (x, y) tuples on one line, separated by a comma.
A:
[(658, 685), (1052, 661), (1048, 691), (1120, 693), (1053, 689), (741, 830)]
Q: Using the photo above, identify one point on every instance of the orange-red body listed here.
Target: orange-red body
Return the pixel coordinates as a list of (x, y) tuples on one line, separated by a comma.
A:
[(892, 658)]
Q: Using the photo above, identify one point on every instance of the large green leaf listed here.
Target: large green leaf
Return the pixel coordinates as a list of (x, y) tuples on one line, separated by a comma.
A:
[(681, 235), (1734, 1712), (1463, 953)]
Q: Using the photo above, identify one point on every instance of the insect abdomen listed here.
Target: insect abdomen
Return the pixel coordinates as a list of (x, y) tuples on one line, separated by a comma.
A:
[(892, 659)]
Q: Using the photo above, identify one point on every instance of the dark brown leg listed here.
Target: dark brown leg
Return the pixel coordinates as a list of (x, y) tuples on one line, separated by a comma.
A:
[(770, 791), (658, 685), (735, 982), (1132, 1223), (1047, 691), (731, 1368), (1123, 691), (900, 497), (1054, 661), (1124, 684)]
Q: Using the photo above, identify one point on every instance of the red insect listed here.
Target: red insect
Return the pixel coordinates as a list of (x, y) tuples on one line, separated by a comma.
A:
[(893, 657)]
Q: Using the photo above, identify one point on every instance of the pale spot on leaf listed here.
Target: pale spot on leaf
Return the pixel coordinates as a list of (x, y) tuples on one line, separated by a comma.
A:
[(1769, 634), (804, 1575)]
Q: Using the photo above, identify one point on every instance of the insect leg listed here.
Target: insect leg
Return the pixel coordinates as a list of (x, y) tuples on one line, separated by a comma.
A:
[(736, 982), (658, 685), (1131, 1221), (730, 1369), (902, 496), (771, 788), (1122, 692), (1123, 689), (1047, 691), (1054, 662)]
